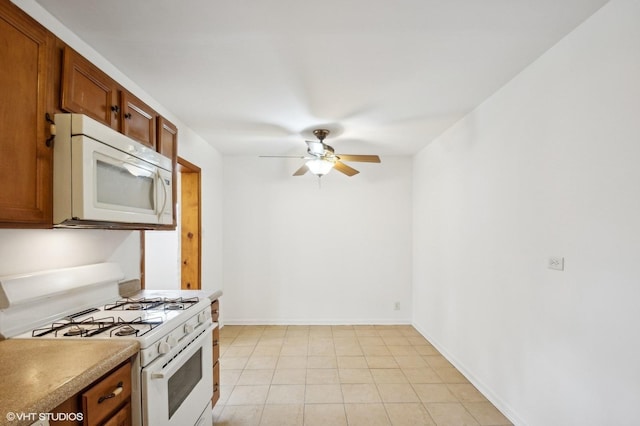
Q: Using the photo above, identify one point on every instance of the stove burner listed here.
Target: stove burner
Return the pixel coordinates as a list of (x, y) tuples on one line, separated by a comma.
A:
[(126, 330), (173, 306), (75, 330), (133, 307)]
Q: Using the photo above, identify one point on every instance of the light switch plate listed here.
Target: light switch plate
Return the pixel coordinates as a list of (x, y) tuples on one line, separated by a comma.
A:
[(556, 263)]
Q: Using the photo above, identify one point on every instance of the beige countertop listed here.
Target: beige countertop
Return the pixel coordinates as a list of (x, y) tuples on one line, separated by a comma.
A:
[(37, 375)]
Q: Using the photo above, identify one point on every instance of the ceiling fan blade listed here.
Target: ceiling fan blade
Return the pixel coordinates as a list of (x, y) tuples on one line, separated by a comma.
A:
[(343, 168), (315, 147), (302, 170), (360, 158)]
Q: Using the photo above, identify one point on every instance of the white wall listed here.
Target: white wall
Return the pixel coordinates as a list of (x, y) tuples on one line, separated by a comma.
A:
[(548, 166), (295, 253), (31, 250)]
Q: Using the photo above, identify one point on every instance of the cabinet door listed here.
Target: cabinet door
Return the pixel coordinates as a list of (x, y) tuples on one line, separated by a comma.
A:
[(167, 139), (105, 396), (138, 120), (216, 384), (26, 52), (215, 310), (167, 145), (87, 90), (121, 418)]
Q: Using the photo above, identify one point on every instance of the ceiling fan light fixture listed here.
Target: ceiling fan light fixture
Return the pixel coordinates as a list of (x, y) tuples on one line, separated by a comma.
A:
[(319, 166)]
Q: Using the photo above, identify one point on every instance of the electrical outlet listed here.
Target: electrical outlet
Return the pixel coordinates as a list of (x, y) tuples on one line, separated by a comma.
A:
[(556, 263), (396, 306)]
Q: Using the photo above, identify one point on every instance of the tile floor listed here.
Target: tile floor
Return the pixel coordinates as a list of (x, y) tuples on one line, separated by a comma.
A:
[(342, 375)]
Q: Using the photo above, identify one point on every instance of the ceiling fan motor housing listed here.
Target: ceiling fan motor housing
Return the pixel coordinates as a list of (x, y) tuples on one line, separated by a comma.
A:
[(321, 133)]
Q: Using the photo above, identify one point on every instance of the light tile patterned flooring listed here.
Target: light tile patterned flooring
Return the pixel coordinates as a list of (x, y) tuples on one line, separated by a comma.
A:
[(342, 375)]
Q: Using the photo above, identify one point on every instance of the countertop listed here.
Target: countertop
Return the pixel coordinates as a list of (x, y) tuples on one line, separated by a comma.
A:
[(38, 375)]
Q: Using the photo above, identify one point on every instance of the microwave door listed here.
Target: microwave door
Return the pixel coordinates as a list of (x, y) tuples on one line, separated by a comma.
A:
[(115, 187)]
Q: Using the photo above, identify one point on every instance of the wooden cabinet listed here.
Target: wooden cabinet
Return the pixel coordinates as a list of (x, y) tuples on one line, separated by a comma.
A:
[(121, 418), (106, 402), (167, 145), (168, 139), (215, 309), (138, 120), (28, 93), (87, 90), (40, 76), (105, 398)]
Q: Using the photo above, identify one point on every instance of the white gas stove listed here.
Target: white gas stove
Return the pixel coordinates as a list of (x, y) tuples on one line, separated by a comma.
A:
[(171, 378)]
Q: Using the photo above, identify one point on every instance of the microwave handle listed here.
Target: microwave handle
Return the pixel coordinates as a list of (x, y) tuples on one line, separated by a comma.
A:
[(164, 190)]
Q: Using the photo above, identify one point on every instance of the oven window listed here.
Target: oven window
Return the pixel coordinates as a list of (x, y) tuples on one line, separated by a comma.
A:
[(126, 185), (184, 380)]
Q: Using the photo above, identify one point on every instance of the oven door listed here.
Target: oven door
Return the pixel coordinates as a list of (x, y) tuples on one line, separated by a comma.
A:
[(175, 391)]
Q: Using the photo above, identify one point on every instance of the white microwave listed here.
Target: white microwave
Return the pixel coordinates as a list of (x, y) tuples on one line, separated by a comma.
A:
[(102, 177)]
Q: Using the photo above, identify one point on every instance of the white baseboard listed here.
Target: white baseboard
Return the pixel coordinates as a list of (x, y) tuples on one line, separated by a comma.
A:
[(481, 386), (302, 321)]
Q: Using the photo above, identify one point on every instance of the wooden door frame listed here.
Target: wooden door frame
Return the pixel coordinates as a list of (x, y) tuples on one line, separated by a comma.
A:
[(185, 166)]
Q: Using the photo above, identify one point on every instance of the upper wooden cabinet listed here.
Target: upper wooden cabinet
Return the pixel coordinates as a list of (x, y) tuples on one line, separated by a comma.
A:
[(28, 93), (168, 139), (40, 75), (87, 90), (138, 120), (168, 146)]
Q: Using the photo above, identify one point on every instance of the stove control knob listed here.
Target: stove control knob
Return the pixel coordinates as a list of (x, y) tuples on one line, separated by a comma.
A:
[(172, 341), (202, 317), (163, 348), (188, 328)]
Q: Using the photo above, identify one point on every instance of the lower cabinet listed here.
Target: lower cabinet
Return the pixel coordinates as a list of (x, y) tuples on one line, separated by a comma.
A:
[(121, 418), (106, 402), (215, 306)]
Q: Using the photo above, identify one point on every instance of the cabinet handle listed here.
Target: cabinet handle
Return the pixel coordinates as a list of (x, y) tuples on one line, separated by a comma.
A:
[(128, 116), (115, 108), (116, 392)]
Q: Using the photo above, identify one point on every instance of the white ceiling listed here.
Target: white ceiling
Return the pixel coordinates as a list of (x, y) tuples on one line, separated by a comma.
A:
[(255, 77)]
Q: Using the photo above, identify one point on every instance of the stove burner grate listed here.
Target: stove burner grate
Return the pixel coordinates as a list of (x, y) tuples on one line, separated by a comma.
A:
[(179, 303), (129, 304), (90, 327)]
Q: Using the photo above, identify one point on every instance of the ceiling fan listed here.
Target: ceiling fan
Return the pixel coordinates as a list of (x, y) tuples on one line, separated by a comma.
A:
[(321, 158)]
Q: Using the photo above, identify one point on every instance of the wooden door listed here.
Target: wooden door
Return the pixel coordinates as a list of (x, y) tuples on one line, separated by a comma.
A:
[(27, 94), (189, 224)]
